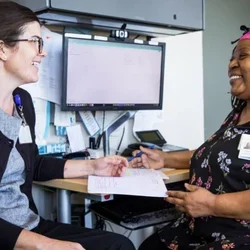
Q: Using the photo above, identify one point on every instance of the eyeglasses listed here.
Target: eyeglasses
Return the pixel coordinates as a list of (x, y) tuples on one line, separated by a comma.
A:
[(35, 39)]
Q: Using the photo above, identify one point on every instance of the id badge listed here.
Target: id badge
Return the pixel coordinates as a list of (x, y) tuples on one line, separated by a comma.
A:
[(244, 147), (24, 134)]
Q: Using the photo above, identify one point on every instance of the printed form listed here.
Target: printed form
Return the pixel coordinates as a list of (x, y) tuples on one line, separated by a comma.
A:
[(142, 182)]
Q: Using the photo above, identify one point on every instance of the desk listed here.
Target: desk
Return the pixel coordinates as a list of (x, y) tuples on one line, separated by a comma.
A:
[(65, 186)]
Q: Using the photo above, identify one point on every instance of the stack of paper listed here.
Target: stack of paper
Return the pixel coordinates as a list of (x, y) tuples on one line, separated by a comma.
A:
[(142, 182)]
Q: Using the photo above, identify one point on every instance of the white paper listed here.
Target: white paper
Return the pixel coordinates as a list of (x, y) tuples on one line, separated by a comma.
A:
[(144, 172), (42, 110), (75, 137), (146, 185), (64, 118), (50, 70), (89, 122)]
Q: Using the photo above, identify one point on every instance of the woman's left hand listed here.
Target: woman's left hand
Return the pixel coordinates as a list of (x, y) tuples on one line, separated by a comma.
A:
[(110, 166), (197, 202)]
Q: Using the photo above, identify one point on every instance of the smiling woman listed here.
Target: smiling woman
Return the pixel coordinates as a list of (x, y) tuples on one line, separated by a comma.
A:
[(240, 52), (216, 204), (239, 69), (22, 58), (21, 51)]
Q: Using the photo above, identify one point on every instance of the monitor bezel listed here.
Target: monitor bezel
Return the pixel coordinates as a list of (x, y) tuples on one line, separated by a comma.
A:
[(107, 107)]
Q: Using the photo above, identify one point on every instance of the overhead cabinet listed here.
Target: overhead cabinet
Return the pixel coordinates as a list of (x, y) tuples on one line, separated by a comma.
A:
[(185, 15)]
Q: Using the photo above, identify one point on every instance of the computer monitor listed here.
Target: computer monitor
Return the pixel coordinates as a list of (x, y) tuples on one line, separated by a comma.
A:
[(102, 73)]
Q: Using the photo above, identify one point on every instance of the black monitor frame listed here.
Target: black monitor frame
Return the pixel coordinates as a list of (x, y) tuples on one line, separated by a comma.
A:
[(102, 107)]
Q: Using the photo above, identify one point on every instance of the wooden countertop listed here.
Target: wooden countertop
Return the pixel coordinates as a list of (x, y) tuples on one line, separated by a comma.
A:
[(81, 185)]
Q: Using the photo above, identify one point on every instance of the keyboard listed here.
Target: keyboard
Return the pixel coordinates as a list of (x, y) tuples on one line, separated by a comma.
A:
[(134, 212), (151, 219)]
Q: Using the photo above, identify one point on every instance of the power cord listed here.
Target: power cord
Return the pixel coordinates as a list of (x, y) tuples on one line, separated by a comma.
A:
[(120, 143)]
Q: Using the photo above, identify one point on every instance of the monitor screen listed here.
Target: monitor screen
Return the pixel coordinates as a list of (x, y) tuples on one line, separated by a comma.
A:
[(104, 74)]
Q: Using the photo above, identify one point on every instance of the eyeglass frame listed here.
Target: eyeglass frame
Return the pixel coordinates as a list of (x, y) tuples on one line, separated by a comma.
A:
[(32, 39)]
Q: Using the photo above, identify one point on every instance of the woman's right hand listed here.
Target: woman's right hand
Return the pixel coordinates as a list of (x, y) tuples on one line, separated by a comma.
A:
[(151, 158)]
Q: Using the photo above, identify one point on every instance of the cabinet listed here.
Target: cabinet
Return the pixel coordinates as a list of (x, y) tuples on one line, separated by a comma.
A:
[(172, 14)]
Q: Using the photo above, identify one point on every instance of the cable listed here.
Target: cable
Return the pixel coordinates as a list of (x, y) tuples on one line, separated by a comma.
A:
[(125, 232), (103, 120), (129, 233), (80, 31), (136, 37), (111, 228), (100, 223), (119, 145), (87, 212)]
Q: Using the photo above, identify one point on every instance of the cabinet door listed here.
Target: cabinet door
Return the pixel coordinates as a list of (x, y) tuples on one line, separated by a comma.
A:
[(35, 5), (180, 13)]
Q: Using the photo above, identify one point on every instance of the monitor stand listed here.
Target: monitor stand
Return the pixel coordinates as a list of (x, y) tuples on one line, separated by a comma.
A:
[(112, 127)]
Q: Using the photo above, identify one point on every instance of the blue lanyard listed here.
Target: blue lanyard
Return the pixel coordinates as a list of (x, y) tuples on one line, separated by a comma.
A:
[(18, 102)]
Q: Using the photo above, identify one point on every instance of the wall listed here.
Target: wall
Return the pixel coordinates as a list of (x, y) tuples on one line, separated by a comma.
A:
[(223, 21), (182, 120)]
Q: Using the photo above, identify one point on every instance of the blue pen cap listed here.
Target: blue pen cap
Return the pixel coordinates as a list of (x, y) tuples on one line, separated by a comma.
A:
[(17, 100)]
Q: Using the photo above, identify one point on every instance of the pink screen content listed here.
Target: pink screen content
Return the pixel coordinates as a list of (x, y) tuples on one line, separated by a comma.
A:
[(101, 72)]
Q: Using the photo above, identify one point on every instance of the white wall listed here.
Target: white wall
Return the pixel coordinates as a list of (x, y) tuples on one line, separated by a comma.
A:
[(223, 21), (182, 119)]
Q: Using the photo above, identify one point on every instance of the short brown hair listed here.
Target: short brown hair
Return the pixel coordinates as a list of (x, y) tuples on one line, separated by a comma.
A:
[(13, 17)]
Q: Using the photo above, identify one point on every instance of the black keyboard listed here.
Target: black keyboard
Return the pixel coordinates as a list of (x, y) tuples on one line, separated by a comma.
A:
[(134, 212), (151, 219)]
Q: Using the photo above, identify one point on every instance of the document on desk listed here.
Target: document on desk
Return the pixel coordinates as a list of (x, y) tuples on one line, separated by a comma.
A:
[(144, 172), (150, 184)]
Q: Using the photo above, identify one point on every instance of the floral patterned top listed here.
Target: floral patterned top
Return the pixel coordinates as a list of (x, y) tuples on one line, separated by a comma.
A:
[(215, 165)]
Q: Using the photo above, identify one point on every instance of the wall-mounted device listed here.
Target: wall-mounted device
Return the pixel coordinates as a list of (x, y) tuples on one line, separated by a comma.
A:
[(102, 73), (120, 34)]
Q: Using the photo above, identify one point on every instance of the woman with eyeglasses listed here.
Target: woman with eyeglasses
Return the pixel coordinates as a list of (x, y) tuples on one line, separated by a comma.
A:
[(21, 52)]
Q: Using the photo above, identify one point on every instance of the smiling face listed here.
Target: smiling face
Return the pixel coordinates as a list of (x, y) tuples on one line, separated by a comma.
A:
[(22, 61), (239, 70)]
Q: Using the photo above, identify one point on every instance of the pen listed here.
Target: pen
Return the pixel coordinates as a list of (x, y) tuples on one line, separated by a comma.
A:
[(139, 154)]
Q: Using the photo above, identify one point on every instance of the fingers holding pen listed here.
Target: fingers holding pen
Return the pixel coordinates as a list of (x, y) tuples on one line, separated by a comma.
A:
[(136, 163), (134, 153)]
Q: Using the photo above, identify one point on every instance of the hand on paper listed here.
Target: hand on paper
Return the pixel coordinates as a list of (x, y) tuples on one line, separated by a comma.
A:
[(110, 166), (197, 202), (151, 158)]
